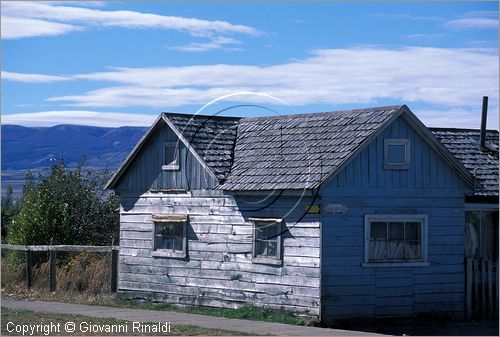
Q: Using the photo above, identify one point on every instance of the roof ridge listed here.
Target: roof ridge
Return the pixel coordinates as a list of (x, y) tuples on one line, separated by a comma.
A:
[(325, 113), (300, 115), (459, 129), (190, 115)]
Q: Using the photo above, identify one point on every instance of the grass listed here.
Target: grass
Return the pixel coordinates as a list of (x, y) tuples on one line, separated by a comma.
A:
[(31, 318), (245, 312)]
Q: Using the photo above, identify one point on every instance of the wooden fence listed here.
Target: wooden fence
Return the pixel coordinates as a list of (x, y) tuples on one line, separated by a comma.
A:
[(481, 288), (53, 249)]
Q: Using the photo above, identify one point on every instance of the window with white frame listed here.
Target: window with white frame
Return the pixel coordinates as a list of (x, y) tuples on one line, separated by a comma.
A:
[(170, 235), (396, 154), (266, 240), (171, 156), (395, 238)]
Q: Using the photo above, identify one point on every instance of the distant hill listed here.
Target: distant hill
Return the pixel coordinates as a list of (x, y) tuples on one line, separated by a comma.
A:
[(36, 148)]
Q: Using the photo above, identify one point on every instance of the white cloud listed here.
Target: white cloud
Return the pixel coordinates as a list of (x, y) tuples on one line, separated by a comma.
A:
[(468, 118), (444, 76), (219, 42), (452, 80), (80, 117), (17, 27), (32, 78), (473, 23), (56, 19)]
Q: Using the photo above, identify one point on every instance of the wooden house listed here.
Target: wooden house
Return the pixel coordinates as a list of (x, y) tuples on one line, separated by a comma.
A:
[(337, 214)]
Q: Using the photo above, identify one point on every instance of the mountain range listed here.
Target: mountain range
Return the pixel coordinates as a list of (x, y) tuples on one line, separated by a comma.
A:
[(36, 148)]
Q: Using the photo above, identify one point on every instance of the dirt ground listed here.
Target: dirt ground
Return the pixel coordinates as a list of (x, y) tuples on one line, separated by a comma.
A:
[(437, 326)]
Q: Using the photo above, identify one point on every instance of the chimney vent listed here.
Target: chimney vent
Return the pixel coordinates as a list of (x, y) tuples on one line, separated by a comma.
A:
[(482, 135)]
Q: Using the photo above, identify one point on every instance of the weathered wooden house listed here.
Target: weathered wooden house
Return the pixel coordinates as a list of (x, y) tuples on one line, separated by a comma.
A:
[(337, 214)]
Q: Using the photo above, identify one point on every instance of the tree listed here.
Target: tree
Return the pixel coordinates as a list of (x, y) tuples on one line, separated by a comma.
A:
[(10, 208), (67, 205)]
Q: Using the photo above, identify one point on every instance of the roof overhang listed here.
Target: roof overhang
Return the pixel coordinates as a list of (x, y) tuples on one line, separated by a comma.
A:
[(423, 131), (160, 121)]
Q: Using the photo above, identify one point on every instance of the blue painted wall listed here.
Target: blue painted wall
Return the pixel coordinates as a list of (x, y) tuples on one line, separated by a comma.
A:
[(145, 172), (429, 186)]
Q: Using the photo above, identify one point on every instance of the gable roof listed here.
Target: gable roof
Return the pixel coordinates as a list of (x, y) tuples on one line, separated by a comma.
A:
[(300, 151), (287, 152), (483, 165), (212, 137)]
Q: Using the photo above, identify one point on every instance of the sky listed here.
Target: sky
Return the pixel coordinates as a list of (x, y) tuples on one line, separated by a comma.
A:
[(110, 63)]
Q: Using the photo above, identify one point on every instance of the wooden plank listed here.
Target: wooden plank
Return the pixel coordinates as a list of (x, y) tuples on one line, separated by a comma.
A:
[(71, 248), (113, 269), (497, 286), (52, 269), (14, 247), (476, 284), (490, 296), (468, 288), (29, 272), (483, 288)]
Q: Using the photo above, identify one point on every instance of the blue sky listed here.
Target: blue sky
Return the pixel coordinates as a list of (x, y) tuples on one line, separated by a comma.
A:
[(121, 63)]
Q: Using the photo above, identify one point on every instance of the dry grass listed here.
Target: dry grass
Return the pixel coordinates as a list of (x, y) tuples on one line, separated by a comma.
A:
[(84, 273)]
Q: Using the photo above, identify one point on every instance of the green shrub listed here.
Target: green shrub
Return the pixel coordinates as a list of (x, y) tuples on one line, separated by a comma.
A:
[(67, 205)]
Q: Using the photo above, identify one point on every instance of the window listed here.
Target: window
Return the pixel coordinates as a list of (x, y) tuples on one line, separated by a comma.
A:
[(395, 239), (396, 154), (267, 240), (170, 235), (171, 156)]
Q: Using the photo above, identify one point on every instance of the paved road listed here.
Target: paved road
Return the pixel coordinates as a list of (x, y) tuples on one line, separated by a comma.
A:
[(251, 327)]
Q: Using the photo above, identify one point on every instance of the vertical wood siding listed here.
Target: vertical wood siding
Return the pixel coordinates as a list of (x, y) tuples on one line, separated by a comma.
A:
[(218, 271), (429, 187), (146, 172)]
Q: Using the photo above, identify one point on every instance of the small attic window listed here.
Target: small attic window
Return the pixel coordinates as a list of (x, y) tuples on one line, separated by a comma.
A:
[(396, 154), (170, 156)]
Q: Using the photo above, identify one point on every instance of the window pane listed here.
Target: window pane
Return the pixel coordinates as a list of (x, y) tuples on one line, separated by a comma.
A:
[(177, 243), (260, 232), (169, 236), (168, 243), (178, 230), (272, 230), (396, 154), (261, 248), (413, 250), (396, 231), (378, 230), (170, 154), (395, 250), (412, 231), (272, 248), (377, 249)]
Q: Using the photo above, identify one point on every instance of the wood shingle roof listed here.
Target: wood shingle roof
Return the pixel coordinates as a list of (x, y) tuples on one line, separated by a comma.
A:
[(483, 165), (299, 151)]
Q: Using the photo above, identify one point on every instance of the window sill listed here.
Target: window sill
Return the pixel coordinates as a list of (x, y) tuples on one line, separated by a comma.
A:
[(167, 253), (396, 166), (267, 260), (395, 264), (171, 167)]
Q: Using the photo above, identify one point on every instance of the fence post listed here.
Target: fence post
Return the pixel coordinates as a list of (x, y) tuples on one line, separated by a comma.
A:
[(113, 268), (52, 269), (29, 273)]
